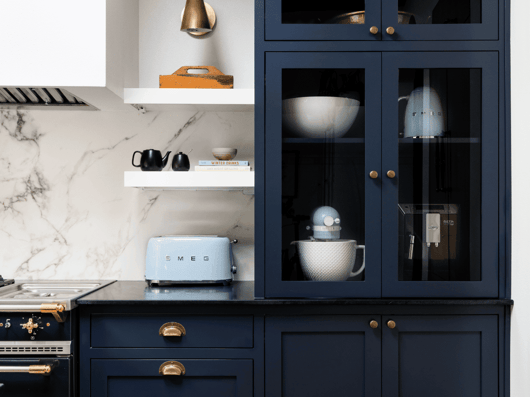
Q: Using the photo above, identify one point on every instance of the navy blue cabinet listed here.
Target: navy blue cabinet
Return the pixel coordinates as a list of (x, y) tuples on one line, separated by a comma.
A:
[(413, 180), (453, 177), (386, 20), (323, 355), (441, 356), (124, 378)]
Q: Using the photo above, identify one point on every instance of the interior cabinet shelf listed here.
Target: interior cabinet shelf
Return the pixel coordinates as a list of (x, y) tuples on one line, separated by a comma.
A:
[(169, 180), (439, 140), (323, 140), (214, 100)]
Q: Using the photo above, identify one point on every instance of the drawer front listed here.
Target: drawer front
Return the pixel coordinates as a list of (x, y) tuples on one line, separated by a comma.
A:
[(124, 378), (143, 331)]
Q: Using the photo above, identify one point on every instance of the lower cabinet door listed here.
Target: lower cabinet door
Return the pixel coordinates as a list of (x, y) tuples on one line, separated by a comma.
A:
[(335, 356), (440, 356), (126, 378)]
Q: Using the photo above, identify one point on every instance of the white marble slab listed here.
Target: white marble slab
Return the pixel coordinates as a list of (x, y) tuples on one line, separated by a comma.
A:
[(65, 213)]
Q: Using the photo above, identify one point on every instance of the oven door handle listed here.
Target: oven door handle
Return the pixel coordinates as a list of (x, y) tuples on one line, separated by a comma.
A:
[(28, 369), (56, 309)]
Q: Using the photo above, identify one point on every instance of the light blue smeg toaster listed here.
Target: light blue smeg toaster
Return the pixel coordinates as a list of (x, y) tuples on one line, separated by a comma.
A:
[(189, 259)]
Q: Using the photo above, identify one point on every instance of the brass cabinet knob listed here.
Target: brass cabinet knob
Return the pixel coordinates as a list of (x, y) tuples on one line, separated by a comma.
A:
[(391, 324), (373, 174), (374, 324), (374, 30), (172, 329), (391, 174), (390, 30), (172, 368)]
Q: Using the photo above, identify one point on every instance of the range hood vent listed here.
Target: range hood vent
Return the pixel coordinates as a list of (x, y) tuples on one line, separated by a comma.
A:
[(40, 99)]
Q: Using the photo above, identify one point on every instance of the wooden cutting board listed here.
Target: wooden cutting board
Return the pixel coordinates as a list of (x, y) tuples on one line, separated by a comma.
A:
[(182, 79)]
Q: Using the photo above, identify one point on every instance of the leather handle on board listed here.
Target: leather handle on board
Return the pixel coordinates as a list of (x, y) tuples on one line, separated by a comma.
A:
[(212, 70)]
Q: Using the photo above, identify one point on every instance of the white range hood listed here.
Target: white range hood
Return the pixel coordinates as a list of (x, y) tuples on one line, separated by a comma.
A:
[(78, 54)]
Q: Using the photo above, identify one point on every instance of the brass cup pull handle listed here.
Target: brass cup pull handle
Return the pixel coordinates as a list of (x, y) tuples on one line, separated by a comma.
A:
[(172, 368), (391, 174), (391, 324), (374, 30), (30, 369), (172, 329), (373, 174), (390, 30), (374, 324)]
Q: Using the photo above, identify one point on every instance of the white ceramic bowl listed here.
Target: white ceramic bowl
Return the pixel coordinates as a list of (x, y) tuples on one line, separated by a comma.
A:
[(224, 153), (319, 116), (328, 260)]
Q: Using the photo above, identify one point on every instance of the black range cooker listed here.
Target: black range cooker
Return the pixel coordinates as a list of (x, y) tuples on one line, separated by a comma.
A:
[(38, 337)]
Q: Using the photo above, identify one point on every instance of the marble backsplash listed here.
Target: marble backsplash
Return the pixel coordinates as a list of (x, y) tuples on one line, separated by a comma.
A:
[(64, 213)]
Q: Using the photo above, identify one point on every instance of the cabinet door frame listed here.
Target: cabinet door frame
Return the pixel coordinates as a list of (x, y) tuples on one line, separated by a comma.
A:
[(488, 286), (275, 62), (488, 29), (276, 30), (102, 369), (487, 325), (276, 326)]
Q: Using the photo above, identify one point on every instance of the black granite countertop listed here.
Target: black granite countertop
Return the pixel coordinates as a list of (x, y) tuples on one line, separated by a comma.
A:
[(240, 292)]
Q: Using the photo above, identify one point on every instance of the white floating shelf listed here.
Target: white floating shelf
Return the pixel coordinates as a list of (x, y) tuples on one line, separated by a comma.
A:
[(213, 100), (178, 180)]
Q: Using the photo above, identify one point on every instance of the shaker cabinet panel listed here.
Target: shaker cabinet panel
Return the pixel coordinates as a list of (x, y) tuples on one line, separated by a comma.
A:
[(440, 356), (312, 356), (440, 141), (125, 378), (323, 180)]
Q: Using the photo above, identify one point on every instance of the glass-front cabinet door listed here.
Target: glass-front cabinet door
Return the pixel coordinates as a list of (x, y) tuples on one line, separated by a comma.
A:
[(372, 20), (440, 185), (323, 183), (440, 19), (322, 20)]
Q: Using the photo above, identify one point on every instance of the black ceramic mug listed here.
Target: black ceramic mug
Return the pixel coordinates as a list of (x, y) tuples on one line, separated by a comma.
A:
[(181, 162), (151, 160)]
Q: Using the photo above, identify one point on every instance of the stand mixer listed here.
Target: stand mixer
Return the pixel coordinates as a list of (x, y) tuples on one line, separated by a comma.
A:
[(325, 257)]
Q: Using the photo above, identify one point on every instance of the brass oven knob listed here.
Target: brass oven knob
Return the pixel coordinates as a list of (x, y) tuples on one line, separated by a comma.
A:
[(172, 368), (374, 324), (373, 174), (172, 329), (391, 174), (374, 30), (30, 326), (390, 30), (391, 324)]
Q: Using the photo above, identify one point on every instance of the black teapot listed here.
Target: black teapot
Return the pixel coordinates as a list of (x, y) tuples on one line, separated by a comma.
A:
[(151, 160), (181, 162)]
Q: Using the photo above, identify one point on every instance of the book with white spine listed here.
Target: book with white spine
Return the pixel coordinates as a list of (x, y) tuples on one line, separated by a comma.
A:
[(229, 168)]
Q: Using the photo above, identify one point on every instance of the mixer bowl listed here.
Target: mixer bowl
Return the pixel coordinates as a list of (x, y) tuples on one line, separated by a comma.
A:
[(328, 260), (319, 116)]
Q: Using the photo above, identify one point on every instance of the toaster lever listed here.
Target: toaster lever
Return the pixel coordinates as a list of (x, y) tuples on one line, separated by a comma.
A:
[(234, 241)]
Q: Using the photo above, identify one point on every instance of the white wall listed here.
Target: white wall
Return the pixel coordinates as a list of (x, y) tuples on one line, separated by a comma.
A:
[(520, 342), (164, 48)]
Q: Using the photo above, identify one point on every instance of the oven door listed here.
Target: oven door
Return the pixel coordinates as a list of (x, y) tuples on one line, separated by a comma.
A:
[(31, 377)]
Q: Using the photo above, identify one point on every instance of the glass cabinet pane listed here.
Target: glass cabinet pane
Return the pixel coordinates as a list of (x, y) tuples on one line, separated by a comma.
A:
[(323, 174), (439, 12), (330, 12), (440, 183)]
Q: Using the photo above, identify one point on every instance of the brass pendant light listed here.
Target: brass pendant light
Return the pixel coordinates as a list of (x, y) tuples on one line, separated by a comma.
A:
[(198, 18)]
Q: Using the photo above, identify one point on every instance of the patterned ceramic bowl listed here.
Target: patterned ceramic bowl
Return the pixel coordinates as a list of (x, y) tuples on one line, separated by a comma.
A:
[(328, 260)]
